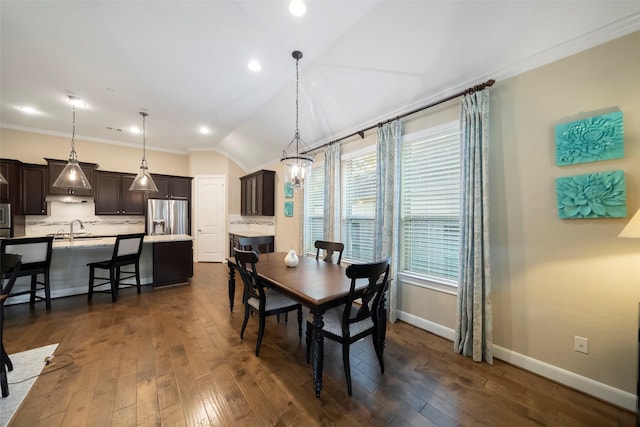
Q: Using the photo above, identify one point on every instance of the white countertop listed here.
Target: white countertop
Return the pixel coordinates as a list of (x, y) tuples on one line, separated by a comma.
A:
[(250, 233), (84, 242)]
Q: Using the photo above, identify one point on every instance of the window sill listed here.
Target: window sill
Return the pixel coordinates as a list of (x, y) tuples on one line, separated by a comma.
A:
[(421, 281)]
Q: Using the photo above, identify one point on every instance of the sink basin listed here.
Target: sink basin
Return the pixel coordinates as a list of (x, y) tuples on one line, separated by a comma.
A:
[(65, 237)]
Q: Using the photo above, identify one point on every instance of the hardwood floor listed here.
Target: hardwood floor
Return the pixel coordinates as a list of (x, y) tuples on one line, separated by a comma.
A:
[(174, 357)]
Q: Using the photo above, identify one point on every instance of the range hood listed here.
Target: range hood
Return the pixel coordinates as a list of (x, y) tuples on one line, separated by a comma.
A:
[(68, 198)]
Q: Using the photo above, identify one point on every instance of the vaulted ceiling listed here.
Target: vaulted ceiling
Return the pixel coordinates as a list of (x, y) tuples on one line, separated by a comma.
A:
[(185, 62)]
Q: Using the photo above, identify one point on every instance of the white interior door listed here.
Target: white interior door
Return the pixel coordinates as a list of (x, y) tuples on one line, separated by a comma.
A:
[(210, 218)]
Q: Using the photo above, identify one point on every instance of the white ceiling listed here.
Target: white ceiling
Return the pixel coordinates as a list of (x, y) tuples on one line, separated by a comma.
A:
[(185, 62)]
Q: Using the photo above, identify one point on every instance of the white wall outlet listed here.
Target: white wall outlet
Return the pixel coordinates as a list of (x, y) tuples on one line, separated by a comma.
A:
[(581, 344)]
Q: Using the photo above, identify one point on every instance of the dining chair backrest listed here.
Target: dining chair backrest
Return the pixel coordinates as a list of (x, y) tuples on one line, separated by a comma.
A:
[(128, 247), (329, 248), (253, 243), (371, 297), (36, 251), (246, 261)]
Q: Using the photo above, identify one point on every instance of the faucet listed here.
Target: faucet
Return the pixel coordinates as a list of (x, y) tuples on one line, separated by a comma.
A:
[(59, 232), (71, 228)]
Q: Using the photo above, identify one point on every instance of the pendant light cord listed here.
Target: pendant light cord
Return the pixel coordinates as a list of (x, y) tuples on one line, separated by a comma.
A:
[(144, 138), (73, 133), (297, 107)]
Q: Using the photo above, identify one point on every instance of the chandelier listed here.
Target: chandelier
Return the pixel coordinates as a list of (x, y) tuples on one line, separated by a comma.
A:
[(296, 165)]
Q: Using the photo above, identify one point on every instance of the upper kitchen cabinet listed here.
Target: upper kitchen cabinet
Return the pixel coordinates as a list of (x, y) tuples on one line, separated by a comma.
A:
[(34, 189), (257, 193), (56, 166), (10, 193), (112, 195), (172, 187)]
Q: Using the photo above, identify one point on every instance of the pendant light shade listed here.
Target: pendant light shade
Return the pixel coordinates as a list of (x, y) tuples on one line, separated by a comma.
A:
[(296, 165), (72, 176), (143, 180)]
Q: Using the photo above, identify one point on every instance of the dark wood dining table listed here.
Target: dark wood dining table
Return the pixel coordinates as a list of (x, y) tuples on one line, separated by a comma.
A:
[(316, 284)]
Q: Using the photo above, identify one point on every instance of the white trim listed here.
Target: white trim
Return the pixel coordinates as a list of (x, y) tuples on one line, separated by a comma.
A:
[(433, 131), (423, 282), (567, 378), (358, 153)]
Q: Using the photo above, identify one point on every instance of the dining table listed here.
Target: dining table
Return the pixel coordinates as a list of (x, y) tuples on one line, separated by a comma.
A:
[(316, 284)]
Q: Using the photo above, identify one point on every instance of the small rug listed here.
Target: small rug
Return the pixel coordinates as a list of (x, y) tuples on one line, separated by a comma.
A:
[(26, 364)]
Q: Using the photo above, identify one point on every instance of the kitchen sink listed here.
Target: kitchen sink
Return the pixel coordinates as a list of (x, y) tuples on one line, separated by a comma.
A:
[(67, 238)]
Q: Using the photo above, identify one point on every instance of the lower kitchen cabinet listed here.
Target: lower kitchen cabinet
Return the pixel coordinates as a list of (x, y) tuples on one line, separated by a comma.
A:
[(172, 262)]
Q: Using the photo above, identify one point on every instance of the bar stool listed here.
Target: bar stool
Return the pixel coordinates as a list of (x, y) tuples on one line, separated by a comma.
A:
[(126, 251), (36, 260)]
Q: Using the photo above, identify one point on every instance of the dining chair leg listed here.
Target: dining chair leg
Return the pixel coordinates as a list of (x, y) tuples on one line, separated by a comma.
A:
[(138, 276), (246, 319), (260, 333), (34, 284), (47, 291), (91, 279), (113, 279), (347, 366), (300, 322)]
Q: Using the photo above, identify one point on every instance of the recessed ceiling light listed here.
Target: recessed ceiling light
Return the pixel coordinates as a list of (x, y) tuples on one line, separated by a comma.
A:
[(134, 129), (205, 130), (28, 110), (297, 8), (254, 65)]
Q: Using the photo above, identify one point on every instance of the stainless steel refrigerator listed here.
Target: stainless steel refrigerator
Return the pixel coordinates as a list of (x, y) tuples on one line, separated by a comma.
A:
[(167, 217)]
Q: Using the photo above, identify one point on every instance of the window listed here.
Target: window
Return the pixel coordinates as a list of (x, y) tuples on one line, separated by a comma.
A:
[(358, 205), (314, 208), (429, 240)]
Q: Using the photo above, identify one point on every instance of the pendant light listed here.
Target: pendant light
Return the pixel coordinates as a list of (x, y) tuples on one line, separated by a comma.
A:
[(296, 166), (72, 176), (3, 180), (143, 181)]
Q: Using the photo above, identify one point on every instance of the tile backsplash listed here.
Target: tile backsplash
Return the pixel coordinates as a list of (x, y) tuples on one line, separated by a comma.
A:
[(61, 214), (262, 224)]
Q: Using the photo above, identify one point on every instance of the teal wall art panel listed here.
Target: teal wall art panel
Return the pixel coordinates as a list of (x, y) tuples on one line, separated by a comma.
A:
[(288, 208), (590, 140), (594, 195), (288, 190)]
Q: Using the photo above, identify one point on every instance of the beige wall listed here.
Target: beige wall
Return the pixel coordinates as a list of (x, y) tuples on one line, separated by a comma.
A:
[(34, 148)]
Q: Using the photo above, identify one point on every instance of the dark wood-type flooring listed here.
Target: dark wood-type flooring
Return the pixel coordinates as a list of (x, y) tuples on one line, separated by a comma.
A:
[(174, 357)]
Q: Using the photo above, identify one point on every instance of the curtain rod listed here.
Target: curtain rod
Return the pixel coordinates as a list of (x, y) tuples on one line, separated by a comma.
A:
[(361, 132)]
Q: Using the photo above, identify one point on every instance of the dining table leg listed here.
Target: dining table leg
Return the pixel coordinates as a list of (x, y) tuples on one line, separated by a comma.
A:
[(232, 286), (317, 351)]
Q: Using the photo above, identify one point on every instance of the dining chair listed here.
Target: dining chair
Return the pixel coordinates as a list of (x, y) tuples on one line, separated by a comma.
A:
[(36, 260), (329, 249), (8, 263), (260, 299), (254, 243), (126, 252), (353, 321)]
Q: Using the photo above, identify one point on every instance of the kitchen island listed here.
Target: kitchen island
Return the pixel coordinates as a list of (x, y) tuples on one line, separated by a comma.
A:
[(69, 274)]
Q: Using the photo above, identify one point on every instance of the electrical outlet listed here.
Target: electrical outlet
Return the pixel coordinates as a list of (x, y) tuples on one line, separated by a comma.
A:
[(581, 344)]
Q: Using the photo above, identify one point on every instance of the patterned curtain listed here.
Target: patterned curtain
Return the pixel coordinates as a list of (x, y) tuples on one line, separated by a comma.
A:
[(387, 199), (332, 193), (474, 330)]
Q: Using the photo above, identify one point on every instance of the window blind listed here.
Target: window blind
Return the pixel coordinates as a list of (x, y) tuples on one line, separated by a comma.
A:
[(430, 204), (314, 207), (358, 206)]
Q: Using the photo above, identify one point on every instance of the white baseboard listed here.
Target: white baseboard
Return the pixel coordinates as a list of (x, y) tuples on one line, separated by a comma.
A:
[(586, 385)]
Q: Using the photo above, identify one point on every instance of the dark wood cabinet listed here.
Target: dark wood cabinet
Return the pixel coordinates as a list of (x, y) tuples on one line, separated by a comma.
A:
[(257, 193), (55, 167), (10, 193), (172, 187), (112, 195), (34, 189), (172, 262)]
